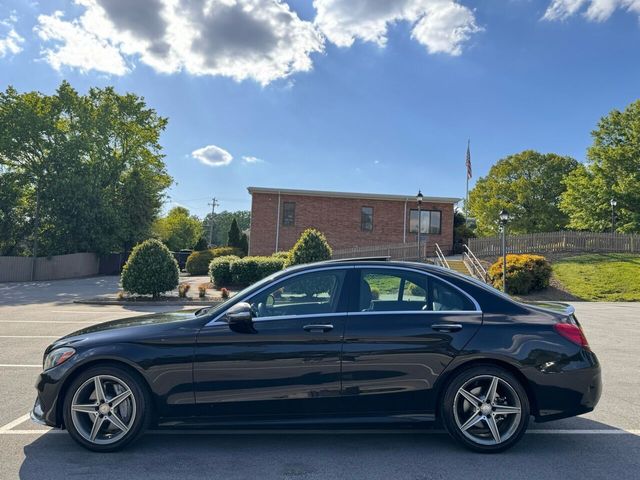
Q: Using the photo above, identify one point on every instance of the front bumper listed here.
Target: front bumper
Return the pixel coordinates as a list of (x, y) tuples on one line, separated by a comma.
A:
[(49, 384)]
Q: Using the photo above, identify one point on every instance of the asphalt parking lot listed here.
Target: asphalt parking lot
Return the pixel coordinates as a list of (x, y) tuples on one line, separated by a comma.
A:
[(602, 444)]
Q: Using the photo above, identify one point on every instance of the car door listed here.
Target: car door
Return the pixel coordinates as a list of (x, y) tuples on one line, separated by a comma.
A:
[(403, 330), (289, 364)]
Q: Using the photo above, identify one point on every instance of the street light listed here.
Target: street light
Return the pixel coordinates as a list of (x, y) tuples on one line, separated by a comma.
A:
[(419, 198), (613, 214), (504, 218)]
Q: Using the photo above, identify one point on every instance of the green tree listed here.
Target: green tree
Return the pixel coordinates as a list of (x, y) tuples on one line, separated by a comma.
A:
[(312, 246), (528, 185), (222, 224), (461, 232), (90, 165), (244, 244), (13, 214), (612, 171), (150, 270), (178, 230), (201, 245), (233, 236)]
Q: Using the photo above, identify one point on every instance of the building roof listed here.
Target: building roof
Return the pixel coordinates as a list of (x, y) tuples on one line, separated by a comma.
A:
[(364, 196)]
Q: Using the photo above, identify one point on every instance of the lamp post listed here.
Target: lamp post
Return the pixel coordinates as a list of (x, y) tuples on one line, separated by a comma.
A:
[(419, 198), (613, 214), (504, 218)]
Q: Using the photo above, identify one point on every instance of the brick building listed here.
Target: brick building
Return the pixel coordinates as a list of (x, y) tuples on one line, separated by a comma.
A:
[(279, 216)]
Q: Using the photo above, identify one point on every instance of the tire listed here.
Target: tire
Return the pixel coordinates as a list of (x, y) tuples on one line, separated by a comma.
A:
[(478, 423), (109, 420)]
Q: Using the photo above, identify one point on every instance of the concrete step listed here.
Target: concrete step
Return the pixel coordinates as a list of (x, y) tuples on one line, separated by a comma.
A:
[(458, 266)]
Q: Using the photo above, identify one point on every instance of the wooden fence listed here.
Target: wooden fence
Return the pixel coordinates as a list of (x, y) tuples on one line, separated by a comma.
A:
[(557, 242), (18, 269)]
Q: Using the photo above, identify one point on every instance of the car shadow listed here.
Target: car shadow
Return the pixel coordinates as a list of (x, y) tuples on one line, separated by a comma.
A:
[(329, 454)]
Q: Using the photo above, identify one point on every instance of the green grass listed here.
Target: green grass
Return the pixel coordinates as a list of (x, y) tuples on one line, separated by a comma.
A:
[(603, 277)]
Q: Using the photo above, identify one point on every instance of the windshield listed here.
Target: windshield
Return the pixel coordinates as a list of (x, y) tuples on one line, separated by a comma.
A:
[(215, 309)]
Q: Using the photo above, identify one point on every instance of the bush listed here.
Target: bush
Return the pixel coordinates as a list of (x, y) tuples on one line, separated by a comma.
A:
[(312, 246), (375, 294), (150, 269), (220, 270), (224, 293), (224, 251), (248, 270), (525, 273), (198, 262), (284, 254)]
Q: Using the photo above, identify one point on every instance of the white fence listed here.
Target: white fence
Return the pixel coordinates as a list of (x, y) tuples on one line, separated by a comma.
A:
[(399, 251), (557, 242), (18, 269)]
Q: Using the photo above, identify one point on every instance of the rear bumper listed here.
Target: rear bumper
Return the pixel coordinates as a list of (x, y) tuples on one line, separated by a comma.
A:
[(567, 393)]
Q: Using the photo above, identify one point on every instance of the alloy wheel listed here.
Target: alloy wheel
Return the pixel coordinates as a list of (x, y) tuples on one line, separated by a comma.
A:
[(487, 410), (103, 409)]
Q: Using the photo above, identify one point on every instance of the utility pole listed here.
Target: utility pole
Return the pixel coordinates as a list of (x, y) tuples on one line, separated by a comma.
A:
[(213, 205)]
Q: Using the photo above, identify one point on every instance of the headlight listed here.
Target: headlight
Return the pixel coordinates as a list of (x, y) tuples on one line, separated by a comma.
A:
[(58, 356)]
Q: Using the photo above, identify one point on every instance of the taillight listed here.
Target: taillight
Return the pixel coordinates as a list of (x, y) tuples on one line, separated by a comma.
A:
[(573, 333)]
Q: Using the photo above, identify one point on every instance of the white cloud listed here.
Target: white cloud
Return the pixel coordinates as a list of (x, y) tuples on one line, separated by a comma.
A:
[(596, 10), (213, 156), (10, 40), (261, 40), (442, 26), (250, 159)]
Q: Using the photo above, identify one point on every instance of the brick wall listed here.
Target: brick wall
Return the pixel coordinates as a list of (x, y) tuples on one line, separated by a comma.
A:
[(339, 220)]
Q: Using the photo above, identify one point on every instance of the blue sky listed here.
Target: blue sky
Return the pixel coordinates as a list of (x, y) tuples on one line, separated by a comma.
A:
[(349, 95)]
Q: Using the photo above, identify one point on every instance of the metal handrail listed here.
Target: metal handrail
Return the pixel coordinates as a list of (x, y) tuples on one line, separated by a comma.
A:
[(443, 261), (476, 263)]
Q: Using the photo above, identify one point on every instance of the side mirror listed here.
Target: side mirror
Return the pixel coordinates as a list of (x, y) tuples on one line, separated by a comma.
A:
[(240, 318)]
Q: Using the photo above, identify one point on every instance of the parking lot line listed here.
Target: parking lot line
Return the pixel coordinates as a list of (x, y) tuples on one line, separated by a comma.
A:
[(14, 423), (17, 365), (323, 432), (29, 336)]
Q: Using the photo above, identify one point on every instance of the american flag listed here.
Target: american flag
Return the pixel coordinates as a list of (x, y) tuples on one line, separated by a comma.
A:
[(469, 160)]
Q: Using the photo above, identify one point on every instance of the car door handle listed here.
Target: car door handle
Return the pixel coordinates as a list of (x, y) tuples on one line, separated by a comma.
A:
[(446, 327), (318, 328)]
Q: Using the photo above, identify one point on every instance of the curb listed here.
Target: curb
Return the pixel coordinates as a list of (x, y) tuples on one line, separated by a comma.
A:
[(195, 303)]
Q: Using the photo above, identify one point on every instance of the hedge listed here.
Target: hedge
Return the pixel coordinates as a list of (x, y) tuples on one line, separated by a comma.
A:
[(198, 262), (525, 273), (248, 270), (312, 246), (220, 270)]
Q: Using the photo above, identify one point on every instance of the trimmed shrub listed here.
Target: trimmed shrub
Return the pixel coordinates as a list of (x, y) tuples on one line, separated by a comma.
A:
[(312, 246), (525, 273), (284, 254), (248, 270), (150, 269), (220, 270), (224, 251), (375, 294), (198, 262)]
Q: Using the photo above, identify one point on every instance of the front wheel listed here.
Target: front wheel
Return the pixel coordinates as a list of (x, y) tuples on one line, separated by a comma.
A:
[(486, 409), (105, 408)]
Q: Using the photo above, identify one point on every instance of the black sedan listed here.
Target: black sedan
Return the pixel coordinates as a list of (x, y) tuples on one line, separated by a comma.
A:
[(327, 344)]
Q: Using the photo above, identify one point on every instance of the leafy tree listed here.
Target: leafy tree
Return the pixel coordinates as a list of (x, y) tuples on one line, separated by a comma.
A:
[(528, 185), (13, 214), (612, 171), (222, 224), (178, 230), (150, 270), (201, 245), (312, 246), (233, 237), (90, 165)]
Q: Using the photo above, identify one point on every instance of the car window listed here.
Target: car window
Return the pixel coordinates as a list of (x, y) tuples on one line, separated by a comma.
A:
[(444, 297), (306, 294), (392, 290)]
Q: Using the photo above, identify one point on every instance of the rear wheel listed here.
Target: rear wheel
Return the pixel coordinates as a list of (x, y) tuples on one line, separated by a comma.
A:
[(105, 408), (486, 409)]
